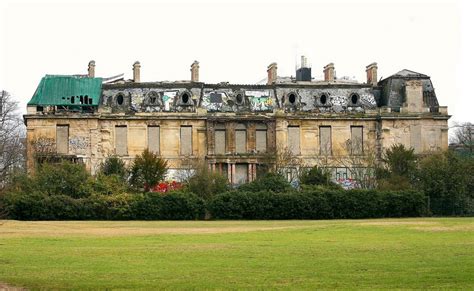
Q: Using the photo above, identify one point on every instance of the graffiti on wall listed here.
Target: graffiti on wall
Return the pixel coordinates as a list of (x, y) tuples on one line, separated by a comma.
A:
[(260, 100), (218, 101), (169, 99), (78, 144)]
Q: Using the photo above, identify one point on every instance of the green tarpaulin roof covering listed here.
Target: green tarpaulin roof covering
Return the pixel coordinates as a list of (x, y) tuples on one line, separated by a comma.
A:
[(67, 90)]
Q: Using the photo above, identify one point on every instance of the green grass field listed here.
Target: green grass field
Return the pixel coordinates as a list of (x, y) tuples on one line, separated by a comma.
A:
[(388, 253)]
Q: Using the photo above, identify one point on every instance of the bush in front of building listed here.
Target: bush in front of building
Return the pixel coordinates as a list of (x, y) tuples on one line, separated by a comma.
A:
[(273, 182), (317, 203), (206, 183), (317, 176), (175, 205), (447, 179), (147, 170)]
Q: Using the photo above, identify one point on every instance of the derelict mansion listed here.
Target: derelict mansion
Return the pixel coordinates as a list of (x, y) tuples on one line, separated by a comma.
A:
[(232, 127)]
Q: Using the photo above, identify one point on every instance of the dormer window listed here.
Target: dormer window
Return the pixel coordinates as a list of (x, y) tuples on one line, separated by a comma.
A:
[(323, 99), (292, 98), (120, 99), (185, 98), (354, 99)]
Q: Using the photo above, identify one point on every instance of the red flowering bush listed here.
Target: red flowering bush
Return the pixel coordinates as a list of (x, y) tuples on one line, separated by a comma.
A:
[(164, 187)]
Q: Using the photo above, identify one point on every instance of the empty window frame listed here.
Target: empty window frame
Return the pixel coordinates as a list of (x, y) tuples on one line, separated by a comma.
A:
[(62, 139), (154, 139), (325, 140), (261, 138), (240, 139), (186, 140), (121, 140), (294, 139), (357, 140)]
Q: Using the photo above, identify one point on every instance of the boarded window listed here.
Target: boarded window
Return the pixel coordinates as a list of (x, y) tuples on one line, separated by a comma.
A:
[(121, 142), (241, 174), (325, 143), (357, 141), (240, 139), (261, 138), (294, 139), (415, 138), (219, 141), (62, 139), (186, 140), (154, 139)]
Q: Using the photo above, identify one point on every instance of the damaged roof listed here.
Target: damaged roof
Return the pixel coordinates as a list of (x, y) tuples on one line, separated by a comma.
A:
[(67, 90)]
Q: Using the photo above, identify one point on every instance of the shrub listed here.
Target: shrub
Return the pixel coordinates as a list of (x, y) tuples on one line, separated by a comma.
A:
[(317, 176), (61, 179), (400, 160), (447, 179), (174, 205), (113, 165), (317, 203), (108, 185), (271, 181), (206, 183), (147, 170)]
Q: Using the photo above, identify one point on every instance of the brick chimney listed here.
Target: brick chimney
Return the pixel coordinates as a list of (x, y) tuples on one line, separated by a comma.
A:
[(329, 72), (195, 71), (136, 72), (371, 71), (91, 69), (272, 73)]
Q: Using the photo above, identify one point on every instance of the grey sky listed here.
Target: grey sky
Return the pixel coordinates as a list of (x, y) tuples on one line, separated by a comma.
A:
[(236, 41)]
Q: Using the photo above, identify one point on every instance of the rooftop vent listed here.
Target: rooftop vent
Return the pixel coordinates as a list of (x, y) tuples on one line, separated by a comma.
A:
[(304, 72)]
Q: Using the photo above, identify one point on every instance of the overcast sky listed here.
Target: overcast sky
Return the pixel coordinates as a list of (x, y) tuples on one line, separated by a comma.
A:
[(235, 41)]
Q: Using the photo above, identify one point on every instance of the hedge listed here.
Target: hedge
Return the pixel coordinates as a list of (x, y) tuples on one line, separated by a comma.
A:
[(147, 206), (317, 203), (310, 203)]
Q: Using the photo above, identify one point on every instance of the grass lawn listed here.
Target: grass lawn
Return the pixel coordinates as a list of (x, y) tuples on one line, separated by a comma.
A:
[(382, 253)]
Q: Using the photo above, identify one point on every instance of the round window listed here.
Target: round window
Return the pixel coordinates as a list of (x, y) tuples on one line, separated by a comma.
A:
[(292, 98), (185, 98), (239, 98), (323, 99), (354, 99), (120, 99)]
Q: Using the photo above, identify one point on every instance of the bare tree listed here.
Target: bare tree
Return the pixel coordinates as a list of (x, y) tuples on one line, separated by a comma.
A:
[(464, 136), (12, 138), (361, 161), (286, 163)]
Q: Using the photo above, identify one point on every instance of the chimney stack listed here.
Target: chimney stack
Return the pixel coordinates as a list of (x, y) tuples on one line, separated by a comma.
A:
[(136, 72), (329, 72), (304, 62), (91, 69), (371, 74), (272, 73), (195, 71)]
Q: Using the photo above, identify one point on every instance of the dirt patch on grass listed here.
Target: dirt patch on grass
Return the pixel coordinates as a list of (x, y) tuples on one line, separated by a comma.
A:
[(6, 287), (26, 229), (388, 223), (445, 228)]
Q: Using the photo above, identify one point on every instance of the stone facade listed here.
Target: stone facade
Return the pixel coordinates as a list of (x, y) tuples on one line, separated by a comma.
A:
[(235, 127)]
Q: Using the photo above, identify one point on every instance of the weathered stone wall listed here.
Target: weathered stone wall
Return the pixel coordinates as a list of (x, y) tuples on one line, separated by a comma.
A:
[(235, 98), (276, 107)]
